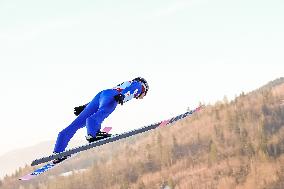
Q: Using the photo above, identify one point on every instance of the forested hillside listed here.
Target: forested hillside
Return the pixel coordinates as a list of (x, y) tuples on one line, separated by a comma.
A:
[(236, 144)]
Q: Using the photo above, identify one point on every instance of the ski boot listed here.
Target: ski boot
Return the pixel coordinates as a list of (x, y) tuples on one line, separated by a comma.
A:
[(58, 160), (100, 135)]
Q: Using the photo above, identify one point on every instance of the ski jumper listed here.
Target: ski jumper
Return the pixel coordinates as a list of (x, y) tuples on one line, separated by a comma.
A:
[(102, 105)]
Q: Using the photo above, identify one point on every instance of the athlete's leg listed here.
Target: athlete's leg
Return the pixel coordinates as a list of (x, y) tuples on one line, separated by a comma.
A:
[(106, 106), (66, 134)]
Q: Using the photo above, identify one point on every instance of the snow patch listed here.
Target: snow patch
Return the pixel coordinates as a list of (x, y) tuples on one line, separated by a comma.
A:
[(66, 174)]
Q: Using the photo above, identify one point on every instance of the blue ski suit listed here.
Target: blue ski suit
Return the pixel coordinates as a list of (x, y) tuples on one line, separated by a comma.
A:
[(102, 105)]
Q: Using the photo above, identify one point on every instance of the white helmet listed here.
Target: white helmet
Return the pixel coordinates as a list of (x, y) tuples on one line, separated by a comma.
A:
[(145, 86)]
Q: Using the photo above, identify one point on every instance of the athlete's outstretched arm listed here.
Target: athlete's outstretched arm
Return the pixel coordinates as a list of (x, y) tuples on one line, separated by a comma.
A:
[(79, 109)]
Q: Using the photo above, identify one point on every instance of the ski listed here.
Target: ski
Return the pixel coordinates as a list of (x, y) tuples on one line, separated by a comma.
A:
[(51, 164), (113, 138), (39, 171)]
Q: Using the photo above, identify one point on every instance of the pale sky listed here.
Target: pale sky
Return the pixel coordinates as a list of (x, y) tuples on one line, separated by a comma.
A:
[(55, 55)]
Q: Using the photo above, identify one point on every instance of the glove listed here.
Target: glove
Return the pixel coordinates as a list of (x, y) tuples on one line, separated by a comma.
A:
[(119, 98), (79, 109)]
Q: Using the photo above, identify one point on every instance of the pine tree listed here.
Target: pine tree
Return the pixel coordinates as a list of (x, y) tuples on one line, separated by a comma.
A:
[(212, 152), (141, 185)]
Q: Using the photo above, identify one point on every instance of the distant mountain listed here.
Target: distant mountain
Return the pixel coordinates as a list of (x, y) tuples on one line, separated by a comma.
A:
[(12, 160)]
